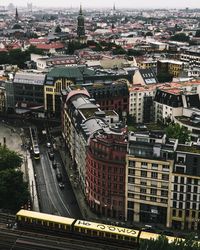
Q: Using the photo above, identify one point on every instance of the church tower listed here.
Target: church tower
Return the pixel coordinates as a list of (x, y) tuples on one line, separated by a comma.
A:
[(81, 25), (16, 15)]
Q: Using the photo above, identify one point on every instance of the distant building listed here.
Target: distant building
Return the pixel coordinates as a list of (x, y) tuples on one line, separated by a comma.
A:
[(81, 27), (145, 77)]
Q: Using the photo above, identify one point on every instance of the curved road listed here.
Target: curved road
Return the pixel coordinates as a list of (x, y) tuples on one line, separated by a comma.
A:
[(53, 199)]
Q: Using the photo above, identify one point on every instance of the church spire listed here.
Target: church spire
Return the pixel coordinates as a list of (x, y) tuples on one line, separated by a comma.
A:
[(80, 25), (16, 15)]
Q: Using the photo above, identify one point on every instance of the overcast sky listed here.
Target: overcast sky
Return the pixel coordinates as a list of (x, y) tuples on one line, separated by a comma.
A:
[(109, 3)]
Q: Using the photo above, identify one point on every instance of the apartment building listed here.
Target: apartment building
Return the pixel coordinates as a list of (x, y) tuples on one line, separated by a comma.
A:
[(185, 195), (105, 172), (141, 105), (171, 67), (148, 177)]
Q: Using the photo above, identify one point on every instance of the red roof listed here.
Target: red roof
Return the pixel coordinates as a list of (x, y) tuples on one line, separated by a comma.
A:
[(38, 40), (50, 46)]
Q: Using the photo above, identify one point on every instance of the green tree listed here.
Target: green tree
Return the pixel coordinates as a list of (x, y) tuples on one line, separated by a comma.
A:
[(162, 244), (177, 132), (180, 37), (197, 33), (9, 159), (58, 29), (13, 190)]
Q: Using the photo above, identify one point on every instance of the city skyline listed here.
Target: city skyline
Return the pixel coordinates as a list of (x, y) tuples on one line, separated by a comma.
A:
[(109, 3)]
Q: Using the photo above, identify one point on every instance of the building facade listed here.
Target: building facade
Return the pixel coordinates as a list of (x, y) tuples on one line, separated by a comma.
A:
[(105, 173), (148, 177)]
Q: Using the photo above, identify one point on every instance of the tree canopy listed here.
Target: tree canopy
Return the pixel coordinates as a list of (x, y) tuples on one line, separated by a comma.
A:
[(180, 37), (9, 159), (13, 190), (162, 244), (177, 132)]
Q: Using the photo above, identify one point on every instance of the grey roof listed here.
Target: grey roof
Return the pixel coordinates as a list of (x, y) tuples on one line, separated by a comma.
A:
[(79, 100), (92, 125), (29, 78), (149, 76)]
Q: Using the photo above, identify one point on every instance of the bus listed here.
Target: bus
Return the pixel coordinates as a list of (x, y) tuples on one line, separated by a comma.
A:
[(34, 143)]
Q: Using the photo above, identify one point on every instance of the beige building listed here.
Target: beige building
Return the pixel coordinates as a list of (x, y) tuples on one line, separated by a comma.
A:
[(149, 174)]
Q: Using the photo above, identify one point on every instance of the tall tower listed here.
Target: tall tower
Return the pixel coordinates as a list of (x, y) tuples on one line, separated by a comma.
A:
[(80, 26), (16, 15)]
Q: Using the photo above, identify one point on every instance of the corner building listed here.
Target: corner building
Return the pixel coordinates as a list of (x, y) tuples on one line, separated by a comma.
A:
[(105, 173)]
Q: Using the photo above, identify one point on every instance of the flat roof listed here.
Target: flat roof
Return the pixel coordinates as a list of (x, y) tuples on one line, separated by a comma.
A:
[(45, 217), (107, 228)]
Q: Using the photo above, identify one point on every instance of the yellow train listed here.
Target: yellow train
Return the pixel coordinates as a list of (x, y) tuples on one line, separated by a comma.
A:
[(64, 225)]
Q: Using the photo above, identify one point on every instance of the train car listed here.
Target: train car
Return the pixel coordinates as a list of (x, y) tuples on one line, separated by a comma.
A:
[(34, 143), (154, 236), (108, 232), (42, 221)]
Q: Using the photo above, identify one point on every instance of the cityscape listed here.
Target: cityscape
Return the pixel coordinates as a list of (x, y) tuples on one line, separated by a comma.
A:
[(99, 125)]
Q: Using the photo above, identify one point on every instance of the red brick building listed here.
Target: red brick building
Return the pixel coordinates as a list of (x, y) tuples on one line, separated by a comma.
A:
[(105, 173)]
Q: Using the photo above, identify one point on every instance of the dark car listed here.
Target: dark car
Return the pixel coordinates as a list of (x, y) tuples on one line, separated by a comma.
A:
[(58, 175), (51, 154), (54, 164)]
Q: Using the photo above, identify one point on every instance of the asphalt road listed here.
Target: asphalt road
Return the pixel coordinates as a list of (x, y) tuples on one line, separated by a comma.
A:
[(53, 199)]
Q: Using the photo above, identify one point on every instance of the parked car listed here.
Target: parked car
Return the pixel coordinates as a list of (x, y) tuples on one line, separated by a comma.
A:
[(54, 164), (58, 175), (61, 185), (51, 154)]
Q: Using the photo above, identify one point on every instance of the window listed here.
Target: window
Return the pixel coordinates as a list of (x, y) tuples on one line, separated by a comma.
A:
[(142, 197), (175, 196), (153, 191), (153, 199), (144, 164), (131, 163), (181, 197), (143, 190), (142, 182), (154, 166), (175, 187), (194, 197), (182, 180), (174, 212), (181, 188), (193, 214), (131, 180), (154, 175), (180, 213), (176, 179), (174, 204), (165, 168), (195, 189), (165, 177), (131, 171), (164, 193), (144, 173), (180, 205), (194, 206)]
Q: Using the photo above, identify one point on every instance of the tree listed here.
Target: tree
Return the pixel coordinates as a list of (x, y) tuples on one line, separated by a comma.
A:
[(180, 37), (197, 33), (163, 244), (149, 33), (58, 29), (9, 159), (13, 190), (177, 132)]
